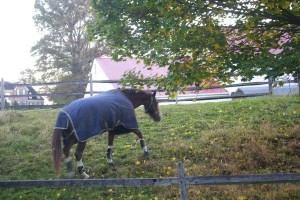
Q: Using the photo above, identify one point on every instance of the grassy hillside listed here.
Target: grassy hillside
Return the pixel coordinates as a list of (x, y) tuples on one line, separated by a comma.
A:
[(239, 137)]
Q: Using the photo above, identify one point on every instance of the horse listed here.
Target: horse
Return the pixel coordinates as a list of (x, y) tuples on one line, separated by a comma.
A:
[(111, 111)]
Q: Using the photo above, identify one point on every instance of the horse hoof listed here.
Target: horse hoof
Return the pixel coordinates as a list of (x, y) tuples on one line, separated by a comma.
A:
[(85, 175), (69, 175), (82, 172), (146, 154)]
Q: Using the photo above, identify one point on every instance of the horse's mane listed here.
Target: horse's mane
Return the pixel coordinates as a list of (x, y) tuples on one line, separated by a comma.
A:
[(136, 92)]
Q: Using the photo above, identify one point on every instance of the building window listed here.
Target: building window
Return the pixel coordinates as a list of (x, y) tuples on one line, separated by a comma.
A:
[(30, 95), (21, 92)]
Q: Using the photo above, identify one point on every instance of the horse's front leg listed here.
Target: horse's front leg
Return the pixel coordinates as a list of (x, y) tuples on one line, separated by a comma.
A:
[(78, 155), (109, 151), (142, 142)]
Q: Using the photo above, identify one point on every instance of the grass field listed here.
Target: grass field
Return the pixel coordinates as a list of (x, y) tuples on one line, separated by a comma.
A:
[(248, 136)]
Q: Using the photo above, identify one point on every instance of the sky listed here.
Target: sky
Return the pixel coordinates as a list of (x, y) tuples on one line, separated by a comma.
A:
[(18, 34)]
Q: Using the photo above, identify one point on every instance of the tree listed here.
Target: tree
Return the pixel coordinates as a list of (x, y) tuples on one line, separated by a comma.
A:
[(64, 52), (28, 76), (194, 40)]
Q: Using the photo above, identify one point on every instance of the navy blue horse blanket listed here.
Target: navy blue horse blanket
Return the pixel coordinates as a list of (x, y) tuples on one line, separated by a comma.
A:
[(97, 114)]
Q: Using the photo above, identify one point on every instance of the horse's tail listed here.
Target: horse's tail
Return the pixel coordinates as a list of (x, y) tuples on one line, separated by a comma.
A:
[(56, 150)]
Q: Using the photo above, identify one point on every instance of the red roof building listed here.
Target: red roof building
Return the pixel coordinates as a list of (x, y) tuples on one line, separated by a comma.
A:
[(104, 68)]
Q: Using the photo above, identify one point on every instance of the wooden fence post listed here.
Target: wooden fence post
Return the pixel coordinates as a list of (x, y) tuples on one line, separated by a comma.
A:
[(182, 182), (91, 85), (2, 95), (270, 85)]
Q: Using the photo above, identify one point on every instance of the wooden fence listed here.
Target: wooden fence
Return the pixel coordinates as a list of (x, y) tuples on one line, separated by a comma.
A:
[(182, 181), (160, 99)]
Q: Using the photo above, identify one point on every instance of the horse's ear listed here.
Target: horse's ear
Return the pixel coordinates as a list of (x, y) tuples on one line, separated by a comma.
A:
[(154, 93)]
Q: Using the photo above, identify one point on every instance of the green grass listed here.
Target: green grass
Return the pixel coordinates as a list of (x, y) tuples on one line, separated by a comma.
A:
[(248, 136)]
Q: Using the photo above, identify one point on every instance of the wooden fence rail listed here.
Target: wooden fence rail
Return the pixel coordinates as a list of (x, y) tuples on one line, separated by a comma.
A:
[(181, 181), (91, 82), (148, 182)]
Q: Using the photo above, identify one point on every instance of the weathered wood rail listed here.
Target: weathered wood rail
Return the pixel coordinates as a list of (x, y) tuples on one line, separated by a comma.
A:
[(149, 182), (160, 99), (181, 181)]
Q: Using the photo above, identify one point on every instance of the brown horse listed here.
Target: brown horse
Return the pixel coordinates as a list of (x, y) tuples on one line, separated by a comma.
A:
[(112, 111)]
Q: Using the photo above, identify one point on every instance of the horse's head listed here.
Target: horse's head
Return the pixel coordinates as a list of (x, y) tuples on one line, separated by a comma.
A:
[(152, 109), (141, 97)]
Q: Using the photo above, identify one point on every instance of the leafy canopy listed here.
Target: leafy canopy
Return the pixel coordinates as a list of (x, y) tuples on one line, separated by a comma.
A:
[(64, 53), (199, 40)]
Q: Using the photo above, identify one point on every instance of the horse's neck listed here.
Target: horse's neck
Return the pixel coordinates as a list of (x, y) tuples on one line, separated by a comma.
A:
[(136, 100)]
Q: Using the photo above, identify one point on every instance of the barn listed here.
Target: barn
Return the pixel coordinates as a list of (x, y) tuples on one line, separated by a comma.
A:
[(105, 68)]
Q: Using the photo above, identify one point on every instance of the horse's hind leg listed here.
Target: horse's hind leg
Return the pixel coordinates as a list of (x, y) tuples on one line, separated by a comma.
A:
[(109, 150), (68, 159), (142, 142), (78, 155)]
